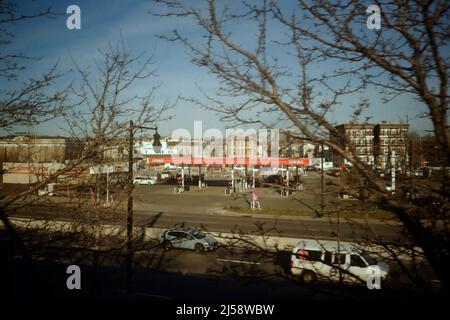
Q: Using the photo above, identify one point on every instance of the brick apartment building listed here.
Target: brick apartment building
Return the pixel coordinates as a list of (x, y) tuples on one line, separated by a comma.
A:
[(375, 144)]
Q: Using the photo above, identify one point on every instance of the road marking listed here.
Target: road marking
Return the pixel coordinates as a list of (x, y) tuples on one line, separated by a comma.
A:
[(238, 261)]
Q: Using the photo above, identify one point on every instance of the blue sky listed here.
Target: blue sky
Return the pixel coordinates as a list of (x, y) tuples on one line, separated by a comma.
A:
[(103, 21)]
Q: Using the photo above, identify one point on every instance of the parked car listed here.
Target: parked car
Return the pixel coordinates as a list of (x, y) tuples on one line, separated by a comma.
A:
[(188, 238), (169, 166), (215, 167), (49, 190), (388, 186), (334, 173), (274, 179), (417, 173), (144, 180), (313, 260), (379, 172)]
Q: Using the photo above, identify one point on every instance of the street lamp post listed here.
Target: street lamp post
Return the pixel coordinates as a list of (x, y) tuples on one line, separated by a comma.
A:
[(157, 147)]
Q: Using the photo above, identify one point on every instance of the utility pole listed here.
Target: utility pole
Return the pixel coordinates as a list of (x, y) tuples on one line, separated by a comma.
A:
[(339, 248), (393, 164), (129, 262), (253, 180), (129, 259), (107, 187), (321, 181), (182, 176)]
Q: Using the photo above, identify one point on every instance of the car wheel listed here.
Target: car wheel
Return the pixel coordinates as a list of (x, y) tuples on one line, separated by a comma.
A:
[(309, 277), (199, 248), (167, 245)]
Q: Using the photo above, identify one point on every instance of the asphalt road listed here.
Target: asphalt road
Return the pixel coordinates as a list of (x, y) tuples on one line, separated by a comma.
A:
[(48, 281), (227, 273), (320, 228), (245, 263)]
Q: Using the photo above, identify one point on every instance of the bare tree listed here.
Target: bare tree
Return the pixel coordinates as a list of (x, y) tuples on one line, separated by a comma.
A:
[(29, 102), (34, 100), (405, 57), (107, 101), (107, 98), (97, 111)]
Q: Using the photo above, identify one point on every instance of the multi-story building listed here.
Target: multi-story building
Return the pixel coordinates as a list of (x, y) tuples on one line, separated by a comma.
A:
[(26, 159), (26, 148), (145, 147), (168, 147), (236, 146), (240, 144), (291, 145), (375, 144)]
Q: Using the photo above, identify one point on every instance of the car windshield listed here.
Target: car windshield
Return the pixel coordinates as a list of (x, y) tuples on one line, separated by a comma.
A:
[(198, 234), (371, 261)]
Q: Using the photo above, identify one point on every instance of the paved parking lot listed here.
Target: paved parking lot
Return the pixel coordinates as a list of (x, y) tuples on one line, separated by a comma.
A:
[(212, 199)]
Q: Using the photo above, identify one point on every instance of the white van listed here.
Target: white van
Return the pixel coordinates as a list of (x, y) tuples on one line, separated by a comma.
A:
[(325, 260), (144, 180), (170, 167)]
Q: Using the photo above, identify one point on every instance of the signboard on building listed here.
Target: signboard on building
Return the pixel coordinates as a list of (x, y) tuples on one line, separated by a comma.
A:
[(229, 161)]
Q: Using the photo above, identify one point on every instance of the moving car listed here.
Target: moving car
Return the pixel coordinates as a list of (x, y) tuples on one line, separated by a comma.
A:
[(313, 260), (144, 180), (188, 238)]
